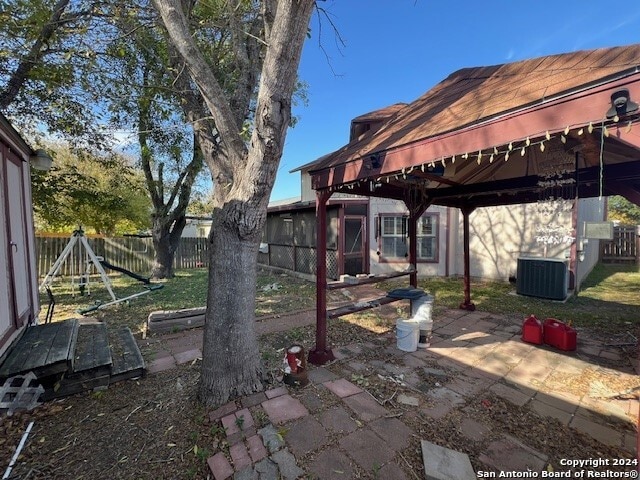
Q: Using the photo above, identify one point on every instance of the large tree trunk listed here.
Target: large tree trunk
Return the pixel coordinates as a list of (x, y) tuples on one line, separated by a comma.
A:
[(244, 173), (166, 239), (231, 364)]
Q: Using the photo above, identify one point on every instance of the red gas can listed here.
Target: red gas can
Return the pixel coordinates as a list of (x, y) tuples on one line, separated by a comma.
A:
[(532, 330), (559, 335)]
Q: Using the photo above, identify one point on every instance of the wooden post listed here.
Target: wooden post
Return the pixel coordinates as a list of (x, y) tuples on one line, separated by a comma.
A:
[(416, 210), (467, 304), (321, 354)]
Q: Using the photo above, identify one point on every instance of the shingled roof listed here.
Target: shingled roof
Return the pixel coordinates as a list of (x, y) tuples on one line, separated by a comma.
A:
[(472, 96)]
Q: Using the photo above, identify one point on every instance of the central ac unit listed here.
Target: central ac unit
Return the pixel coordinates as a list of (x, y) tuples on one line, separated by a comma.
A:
[(543, 278)]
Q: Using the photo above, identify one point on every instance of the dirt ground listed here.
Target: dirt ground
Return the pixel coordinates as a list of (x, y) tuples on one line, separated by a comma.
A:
[(154, 428)]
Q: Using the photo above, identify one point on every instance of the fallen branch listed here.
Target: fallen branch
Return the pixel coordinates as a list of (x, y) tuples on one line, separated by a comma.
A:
[(410, 466)]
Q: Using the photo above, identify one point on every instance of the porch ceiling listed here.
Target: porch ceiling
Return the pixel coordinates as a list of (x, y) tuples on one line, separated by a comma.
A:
[(487, 136)]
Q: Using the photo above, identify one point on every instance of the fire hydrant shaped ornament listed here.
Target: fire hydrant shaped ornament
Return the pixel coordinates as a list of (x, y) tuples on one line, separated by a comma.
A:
[(295, 367)]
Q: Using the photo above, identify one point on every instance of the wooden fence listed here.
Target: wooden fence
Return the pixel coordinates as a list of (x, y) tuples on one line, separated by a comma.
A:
[(132, 253), (624, 248)]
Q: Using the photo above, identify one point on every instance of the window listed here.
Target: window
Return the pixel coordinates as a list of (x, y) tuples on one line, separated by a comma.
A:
[(393, 242), (427, 237)]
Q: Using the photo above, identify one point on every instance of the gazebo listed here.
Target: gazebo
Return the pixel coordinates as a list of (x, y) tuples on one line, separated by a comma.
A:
[(548, 130)]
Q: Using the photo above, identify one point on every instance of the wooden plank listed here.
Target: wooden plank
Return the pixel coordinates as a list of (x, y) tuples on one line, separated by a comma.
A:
[(43, 349), (360, 306), (364, 281), (92, 348), (79, 383), (126, 356)]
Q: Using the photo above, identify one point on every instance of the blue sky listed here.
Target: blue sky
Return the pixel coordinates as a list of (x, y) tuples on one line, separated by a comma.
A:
[(397, 50)]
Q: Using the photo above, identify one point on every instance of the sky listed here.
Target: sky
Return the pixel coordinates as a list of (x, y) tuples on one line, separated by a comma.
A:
[(394, 51)]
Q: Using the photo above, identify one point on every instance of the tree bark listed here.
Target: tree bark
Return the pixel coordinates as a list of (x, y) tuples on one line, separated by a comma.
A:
[(244, 174), (232, 364)]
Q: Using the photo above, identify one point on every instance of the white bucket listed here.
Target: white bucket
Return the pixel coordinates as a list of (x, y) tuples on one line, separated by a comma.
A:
[(421, 310), (407, 333)]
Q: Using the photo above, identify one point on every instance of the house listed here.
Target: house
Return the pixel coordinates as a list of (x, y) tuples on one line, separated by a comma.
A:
[(197, 226), (375, 239), (19, 304)]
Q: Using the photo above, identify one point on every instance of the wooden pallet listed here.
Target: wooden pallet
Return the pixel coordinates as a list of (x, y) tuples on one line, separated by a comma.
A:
[(74, 356), (45, 350)]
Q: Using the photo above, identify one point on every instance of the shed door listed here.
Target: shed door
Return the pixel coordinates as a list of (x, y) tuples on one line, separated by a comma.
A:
[(18, 241)]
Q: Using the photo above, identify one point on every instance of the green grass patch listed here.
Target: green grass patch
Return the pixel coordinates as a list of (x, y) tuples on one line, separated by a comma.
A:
[(609, 300), (188, 289)]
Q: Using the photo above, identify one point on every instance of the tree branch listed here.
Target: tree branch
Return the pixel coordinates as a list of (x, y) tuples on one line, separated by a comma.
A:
[(35, 54)]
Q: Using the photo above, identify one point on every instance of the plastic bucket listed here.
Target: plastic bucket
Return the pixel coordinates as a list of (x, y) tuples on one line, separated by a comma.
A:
[(407, 334), (421, 309)]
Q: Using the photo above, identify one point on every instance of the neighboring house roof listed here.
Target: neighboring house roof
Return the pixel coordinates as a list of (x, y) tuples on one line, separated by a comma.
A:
[(477, 111)]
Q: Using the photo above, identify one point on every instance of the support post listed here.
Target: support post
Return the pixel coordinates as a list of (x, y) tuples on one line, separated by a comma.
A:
[(413, 249), (467, 304), (416, 208), (321, 354)]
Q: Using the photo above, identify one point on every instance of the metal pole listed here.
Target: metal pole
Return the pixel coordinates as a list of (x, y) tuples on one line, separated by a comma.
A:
[(321, 354), (467, 304)]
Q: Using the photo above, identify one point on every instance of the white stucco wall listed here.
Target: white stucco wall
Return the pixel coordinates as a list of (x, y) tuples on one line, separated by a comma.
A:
[(499, 235)]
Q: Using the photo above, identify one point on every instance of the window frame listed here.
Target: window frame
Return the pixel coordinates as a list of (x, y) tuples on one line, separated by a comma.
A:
[(379, 233)]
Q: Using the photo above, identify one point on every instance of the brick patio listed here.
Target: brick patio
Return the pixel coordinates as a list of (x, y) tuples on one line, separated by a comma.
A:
[(473, 355)]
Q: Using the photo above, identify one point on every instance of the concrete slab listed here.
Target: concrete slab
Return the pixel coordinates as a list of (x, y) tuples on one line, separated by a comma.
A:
[(253, 400), (510, 394), (312, 400), (267, 469), (222, 411), (239, 456), (342, 387), (283, 409), (220, 466), (510, 455), (337, 420), (287, 465), (276, 392), (441, 463), (393, 431), (305, 435), (391, 471), (319, 375), (247, 473), (271, 439), (547, 410), (367, 449), (332, 465), (602, 433), (365, 407), (473, 430), (256, 448)]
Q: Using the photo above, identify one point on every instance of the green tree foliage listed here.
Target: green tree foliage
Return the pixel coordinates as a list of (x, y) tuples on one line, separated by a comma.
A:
[(624, 211), (46, 50), (102, 193)]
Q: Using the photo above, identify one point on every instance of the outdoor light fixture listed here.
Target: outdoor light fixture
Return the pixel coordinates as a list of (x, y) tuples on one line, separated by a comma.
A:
[(621, 104), (41, 160), (375, 160)]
